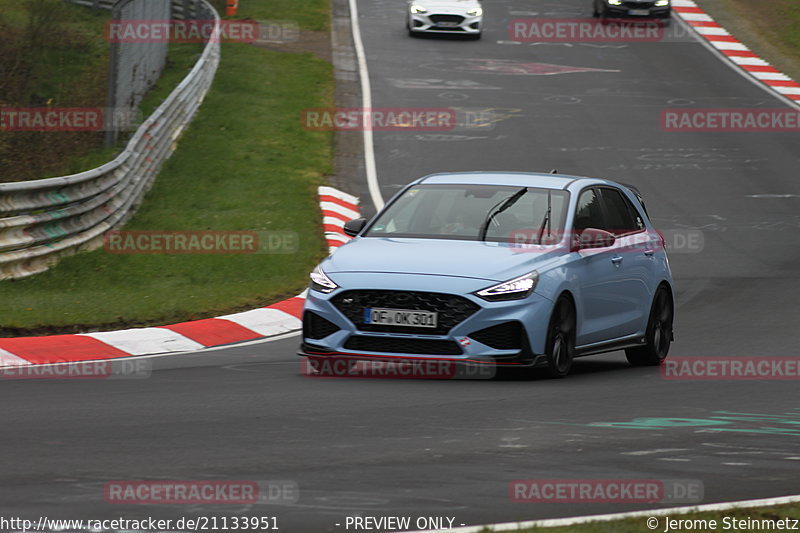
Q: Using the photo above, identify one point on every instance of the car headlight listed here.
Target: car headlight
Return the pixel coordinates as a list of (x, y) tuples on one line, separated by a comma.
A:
[(475, 12), (662, 3), (418, 9), (515, 289), (320, 282), (615, 2)]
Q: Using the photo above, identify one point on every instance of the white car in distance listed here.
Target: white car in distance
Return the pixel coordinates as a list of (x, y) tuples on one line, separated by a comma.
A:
[(463, 17)]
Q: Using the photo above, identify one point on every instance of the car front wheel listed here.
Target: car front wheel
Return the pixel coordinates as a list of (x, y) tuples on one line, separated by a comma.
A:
[(560, 348), (659, 333)]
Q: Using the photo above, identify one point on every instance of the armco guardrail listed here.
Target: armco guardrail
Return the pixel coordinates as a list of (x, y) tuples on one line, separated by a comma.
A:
[(43, 220), (181, 9)]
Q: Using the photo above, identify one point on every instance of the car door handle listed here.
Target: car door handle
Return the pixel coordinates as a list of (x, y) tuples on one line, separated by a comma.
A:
[(617, 260), (649, 253)]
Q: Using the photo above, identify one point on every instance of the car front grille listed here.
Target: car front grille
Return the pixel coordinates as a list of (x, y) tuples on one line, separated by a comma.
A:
[(317, 327), (455, 19), (451, 309), (505, 336), (402, 345), (639, 5)]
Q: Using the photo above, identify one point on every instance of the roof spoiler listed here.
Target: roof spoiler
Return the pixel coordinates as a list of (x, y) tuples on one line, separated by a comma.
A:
[(635, 190)]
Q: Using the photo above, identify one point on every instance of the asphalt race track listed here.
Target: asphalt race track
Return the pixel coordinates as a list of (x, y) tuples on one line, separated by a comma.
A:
[(451, 448)]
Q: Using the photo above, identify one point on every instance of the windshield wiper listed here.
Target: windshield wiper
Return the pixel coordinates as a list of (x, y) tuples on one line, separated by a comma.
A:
[(546, 221), (499, 208)]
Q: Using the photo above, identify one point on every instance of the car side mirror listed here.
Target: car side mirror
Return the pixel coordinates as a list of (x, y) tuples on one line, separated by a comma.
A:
[(354, 227), (592, 238)]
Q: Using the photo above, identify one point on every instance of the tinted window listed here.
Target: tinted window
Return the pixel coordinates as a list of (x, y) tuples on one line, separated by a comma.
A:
[(621, 216), (589, 213)]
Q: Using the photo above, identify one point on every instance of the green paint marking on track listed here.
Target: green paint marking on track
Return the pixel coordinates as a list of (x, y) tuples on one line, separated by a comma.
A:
[(718, 418)]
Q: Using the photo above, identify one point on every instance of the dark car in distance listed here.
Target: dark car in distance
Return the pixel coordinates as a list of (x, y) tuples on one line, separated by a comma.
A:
[(641, 9)]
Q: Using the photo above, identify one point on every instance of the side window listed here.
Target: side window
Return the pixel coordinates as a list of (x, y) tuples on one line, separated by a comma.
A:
[(622, 217), (588, 213)]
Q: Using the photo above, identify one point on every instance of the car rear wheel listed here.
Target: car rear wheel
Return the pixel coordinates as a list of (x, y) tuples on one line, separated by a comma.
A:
[(560, 348), (659, 333)]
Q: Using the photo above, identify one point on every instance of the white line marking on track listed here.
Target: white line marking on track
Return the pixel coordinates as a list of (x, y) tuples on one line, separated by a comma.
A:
[(657, 450), (560, 522), (366, 102)]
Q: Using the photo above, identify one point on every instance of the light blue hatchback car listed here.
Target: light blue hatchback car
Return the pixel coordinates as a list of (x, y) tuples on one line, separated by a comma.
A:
[(507, 269)]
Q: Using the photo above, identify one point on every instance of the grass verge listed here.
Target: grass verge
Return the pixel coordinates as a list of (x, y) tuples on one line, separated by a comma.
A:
[(771, 29), (308, 14), (245, 163), (730, 521), (51, 53)]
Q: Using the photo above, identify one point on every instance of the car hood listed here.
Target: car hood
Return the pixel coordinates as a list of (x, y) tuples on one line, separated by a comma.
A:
[(490, 261)]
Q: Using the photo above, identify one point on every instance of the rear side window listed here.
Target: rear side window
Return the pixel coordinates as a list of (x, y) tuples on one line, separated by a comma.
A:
[(621, 216)]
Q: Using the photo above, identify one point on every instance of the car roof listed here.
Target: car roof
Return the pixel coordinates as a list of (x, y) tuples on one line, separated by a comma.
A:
[(516, 179)]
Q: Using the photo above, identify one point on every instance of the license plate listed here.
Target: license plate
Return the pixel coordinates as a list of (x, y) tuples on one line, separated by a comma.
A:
[(639, 12), (400, 317), (447, 24)]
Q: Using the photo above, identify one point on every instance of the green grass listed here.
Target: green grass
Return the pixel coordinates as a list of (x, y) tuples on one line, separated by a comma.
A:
[(639, 525), (779, 19), (245, 163), (308, 14), (771, 29), (68, 42), (50, 52)]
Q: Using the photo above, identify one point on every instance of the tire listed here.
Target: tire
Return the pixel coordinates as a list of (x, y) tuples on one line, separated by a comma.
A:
[(659, 332), (560, 348), (595, 11)]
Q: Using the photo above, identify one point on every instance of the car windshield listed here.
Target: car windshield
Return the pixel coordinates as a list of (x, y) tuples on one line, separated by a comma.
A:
[(465, 212)]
